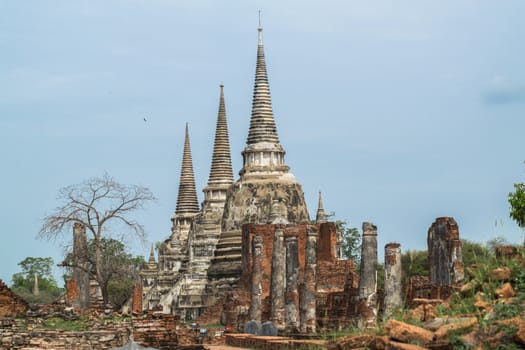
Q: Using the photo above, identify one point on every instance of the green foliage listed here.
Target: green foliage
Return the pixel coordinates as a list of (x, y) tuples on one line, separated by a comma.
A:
[(474, 253), (24, 281), (351, 241), (414, 263), (58, 323), (517, 204), (119, 269)]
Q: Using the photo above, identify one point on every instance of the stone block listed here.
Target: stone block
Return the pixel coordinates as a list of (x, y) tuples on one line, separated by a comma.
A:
[(269, 329), (253, 327), (405, 332)]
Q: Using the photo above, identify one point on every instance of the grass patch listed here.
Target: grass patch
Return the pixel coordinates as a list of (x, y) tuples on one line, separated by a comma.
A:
[(59, 324)]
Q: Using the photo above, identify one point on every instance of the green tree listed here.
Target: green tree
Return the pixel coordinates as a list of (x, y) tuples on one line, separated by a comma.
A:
[(414, 263), (351, 241), (24, 281), (104, 207), (473, 252), (517, 204), (119, 269)]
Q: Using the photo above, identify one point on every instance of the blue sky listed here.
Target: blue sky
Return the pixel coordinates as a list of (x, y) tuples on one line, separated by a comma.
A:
[(398, 111)]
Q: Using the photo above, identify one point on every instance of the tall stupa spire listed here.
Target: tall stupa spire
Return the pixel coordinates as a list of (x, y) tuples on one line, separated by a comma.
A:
[(187, 200), (221, 163), (263, 153), (321, 216), (262, 123)]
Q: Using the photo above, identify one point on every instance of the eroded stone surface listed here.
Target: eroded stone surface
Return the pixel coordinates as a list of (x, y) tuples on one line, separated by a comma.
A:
[(444, 252)]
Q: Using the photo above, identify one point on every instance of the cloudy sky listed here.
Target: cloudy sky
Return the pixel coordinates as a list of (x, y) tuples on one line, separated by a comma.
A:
[(398, 111)]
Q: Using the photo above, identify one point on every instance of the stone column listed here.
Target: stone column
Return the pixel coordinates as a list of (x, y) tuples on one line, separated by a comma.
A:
[(36, 291), (393, 274), (444, 252), (257, 273), (292, 279), (368, 275), (80, 261), (278, 280), (309, 294)]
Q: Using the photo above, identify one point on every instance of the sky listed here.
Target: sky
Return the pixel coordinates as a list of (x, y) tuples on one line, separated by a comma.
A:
[(398, 111)]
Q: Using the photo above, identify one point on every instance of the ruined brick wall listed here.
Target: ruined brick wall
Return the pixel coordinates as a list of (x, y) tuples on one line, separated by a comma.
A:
[(155, 330), (267, 232), (509, 252), (327, 242), (333, 275), (44, 339), (337, 292), (420, 287), (337, 277), (152, 329), (11, 305)]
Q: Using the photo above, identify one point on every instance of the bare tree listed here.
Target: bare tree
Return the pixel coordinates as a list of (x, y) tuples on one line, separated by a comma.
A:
[(98, 204)]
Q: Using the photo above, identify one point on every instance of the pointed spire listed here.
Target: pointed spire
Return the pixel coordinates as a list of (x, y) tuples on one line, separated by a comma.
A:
[(152, 255), (221, 164), (262, 123), (321, 216), (187, 200)]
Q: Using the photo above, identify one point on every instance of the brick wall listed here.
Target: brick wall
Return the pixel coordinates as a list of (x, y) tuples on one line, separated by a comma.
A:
[(11, 305), (327, 242)]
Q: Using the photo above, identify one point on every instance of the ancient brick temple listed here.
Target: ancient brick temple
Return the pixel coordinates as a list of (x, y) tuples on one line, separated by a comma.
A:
[(205, 256)]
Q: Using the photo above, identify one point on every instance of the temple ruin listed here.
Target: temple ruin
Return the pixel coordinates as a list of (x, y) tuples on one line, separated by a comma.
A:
[(250, 255), (202, 260)]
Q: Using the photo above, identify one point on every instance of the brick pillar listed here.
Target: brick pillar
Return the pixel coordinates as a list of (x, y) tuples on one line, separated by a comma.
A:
[(278, 280), (292, 279), (257, 274), (368, 275), (444, 252), (393, 274), (308, 295), (71, 291), (80, 261), (136, 301)]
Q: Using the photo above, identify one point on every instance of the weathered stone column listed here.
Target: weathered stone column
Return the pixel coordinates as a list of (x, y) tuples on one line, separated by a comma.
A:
[(36, 291), (257, 273), (278, 280), (292, 279), (368, 275), (80, 261), (444, 252), (308, 300), (393, 274)]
